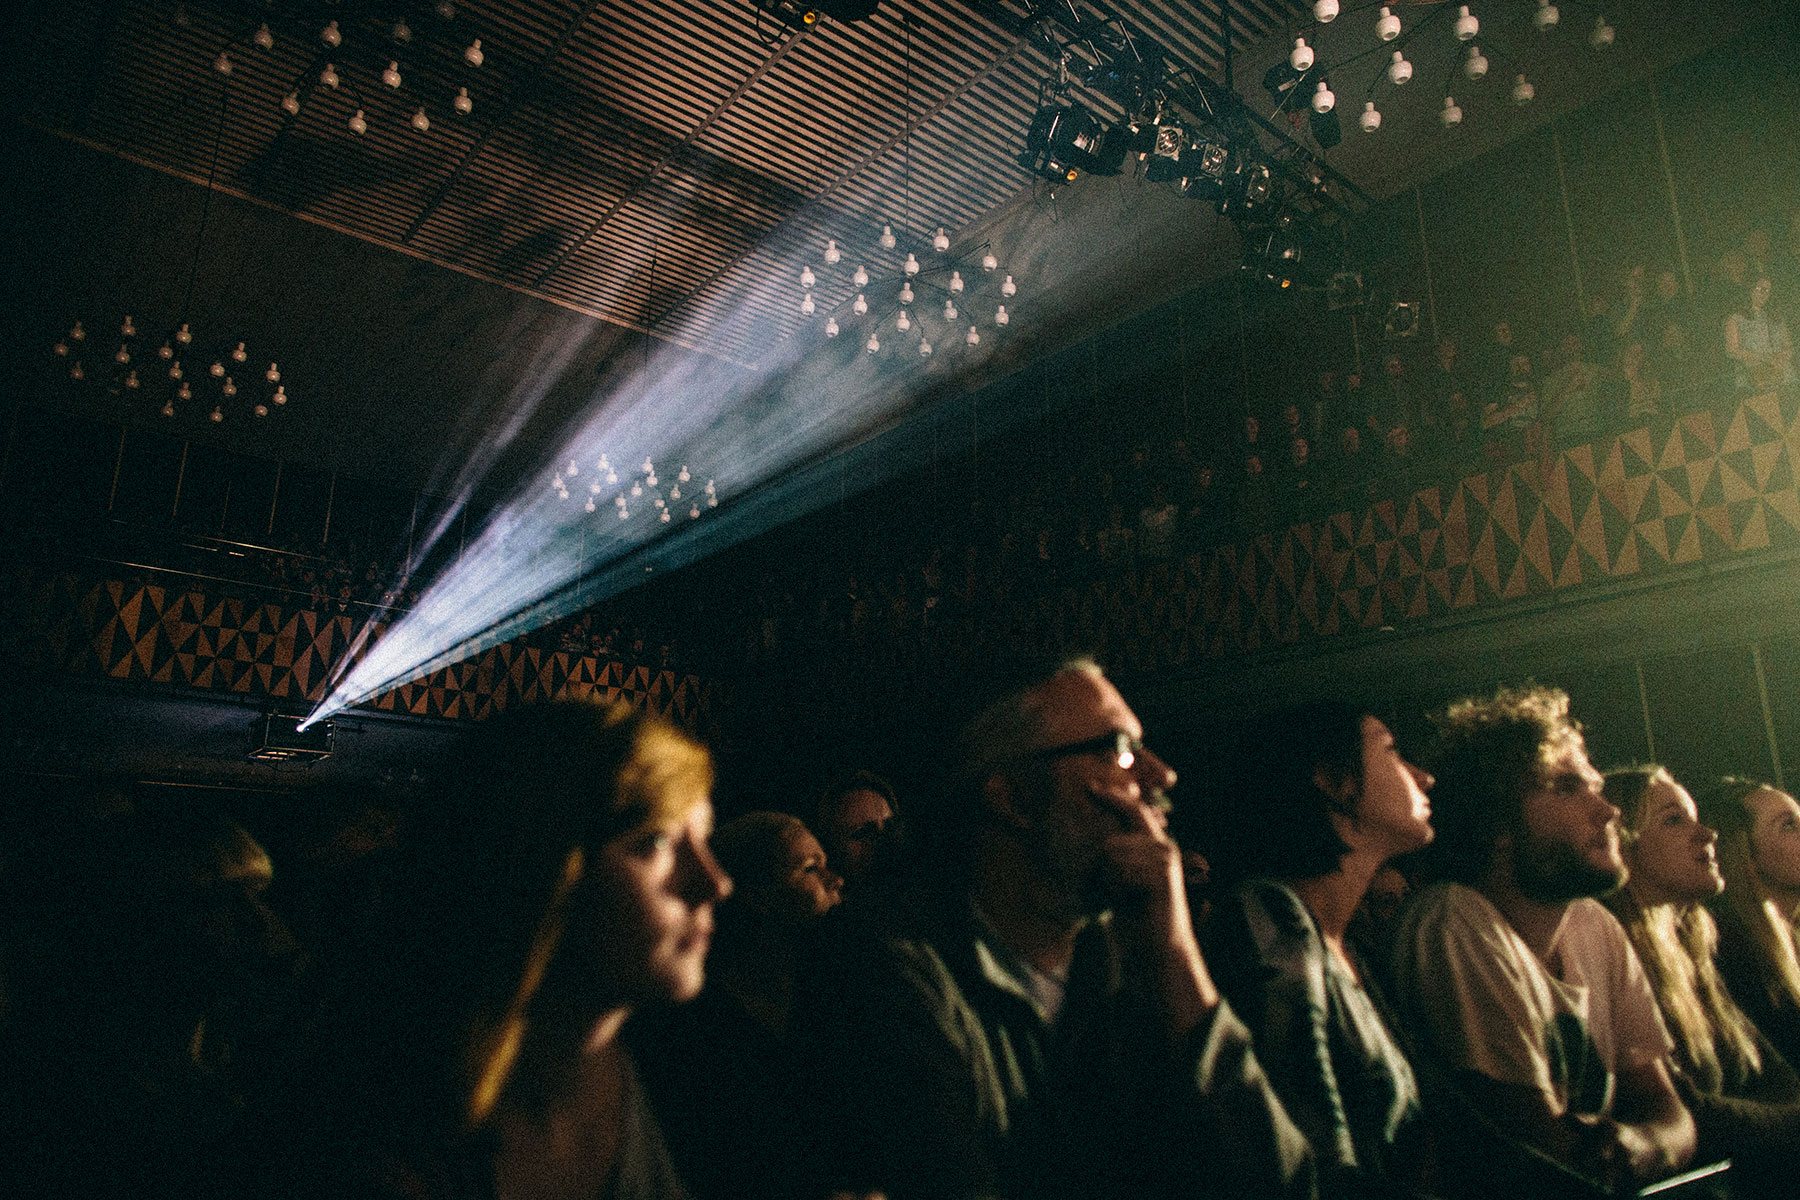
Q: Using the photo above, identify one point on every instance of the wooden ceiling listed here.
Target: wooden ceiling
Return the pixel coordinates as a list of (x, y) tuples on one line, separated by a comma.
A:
[(665, 166)]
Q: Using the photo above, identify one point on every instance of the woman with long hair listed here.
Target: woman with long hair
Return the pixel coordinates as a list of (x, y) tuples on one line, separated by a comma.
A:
[(1759, 855), (1744, 1096), (561, 880), (1320, 802)]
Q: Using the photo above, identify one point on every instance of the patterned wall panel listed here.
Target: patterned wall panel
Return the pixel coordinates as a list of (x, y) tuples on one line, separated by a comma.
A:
[(174, 635), (1643, 502)]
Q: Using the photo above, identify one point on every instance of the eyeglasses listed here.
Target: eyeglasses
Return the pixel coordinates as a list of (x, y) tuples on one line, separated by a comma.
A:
[(1117, 745)]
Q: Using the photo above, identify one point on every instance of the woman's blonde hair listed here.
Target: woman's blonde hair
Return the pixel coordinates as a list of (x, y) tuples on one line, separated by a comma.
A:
[(1723, 805), (1677, 945)]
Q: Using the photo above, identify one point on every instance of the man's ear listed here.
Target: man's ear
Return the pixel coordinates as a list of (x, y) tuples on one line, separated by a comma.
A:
[(997, 794)]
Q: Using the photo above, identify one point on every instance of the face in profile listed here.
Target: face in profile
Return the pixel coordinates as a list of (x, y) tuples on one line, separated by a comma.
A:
[(858, 825), (806, 887), (1775, 838), (1392, 806), (652, 892), (1568, 846), (1673, 856)]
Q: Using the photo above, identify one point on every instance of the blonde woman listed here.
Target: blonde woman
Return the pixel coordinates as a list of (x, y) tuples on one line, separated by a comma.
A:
[(1759, 855), (1744, 1096), (560, 880)]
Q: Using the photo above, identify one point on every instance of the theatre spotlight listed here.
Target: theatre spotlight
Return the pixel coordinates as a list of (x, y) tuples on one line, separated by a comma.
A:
[(1164, 165), (1402, 319), (1247, 189), (1063, 141), (797, 15)]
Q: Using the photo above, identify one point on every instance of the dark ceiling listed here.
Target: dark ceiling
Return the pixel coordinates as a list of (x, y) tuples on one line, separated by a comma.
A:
[(667, 168)]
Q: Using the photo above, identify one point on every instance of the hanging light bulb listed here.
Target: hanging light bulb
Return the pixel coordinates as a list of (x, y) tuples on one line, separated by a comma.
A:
[(238, 355), (1452, 115), (358, 125), (217, 370), (1008, 288), (589, 506), (1602, 37), (216, 415), (873, 344), (1325, 11), (229, 388), (261, 409), (1301, 56), (989, 262), (1387, 26), (1546, 16), (473, 55), (391, 76), (974, 336), (61, 349), (222, 64), (184, 392), (75, 372), (860, 305), (330, 35), (131, 381), (1001, 317), (273, 374), (329, 76), (184, 335), (860, 277), (682, 475), (807, 278), (263, 38), (940, 241), (887, 237), (637, 489), (832, 253), (694, 512), (78, 334), (1323, 98), (420, 121), (165, 351), (1399, 70), (906, 293), (1522, 91), (912, 264), (290, 104), (675, 492), (168, 408), (122, 356), (280, 396), (594, 488), (956, 281), (462, 104), (709, 488), (574, 469), (903, 322), (1477, 66), (1467, 26), (807, 307), (446, 10), (624, 513), (831, 327), (1371, 117), (175, 369), (402, 31)]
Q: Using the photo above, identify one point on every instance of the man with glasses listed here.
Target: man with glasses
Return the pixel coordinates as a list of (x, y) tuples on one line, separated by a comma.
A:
[(1051, 1030)]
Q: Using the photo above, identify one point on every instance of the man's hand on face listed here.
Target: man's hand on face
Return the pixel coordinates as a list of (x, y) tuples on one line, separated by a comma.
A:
[(1144, 865)]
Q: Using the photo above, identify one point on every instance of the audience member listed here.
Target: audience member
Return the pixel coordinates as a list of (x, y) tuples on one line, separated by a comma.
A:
[(1757, 343), (564, 882), (1522, 988), (1051, 1030), (720, 1071), (1744, 1096), (1320, 801), (1759, 855), (859, 824)]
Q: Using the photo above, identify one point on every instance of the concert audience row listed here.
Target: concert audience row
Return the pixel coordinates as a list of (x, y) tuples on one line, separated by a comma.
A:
[(1499, 973)]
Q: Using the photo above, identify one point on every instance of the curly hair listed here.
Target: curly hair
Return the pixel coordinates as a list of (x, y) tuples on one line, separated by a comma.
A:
[(1490, 753)]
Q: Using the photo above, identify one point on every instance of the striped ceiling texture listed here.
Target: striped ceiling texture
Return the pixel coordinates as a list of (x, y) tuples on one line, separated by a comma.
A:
[(665, 166)]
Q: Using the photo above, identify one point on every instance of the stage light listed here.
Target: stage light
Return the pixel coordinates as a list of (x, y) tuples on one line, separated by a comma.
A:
[(1063, 141), (1164, 165)]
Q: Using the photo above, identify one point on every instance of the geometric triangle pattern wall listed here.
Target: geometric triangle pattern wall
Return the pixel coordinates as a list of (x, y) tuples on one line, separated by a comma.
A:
[(181, 635), (1646, 501)]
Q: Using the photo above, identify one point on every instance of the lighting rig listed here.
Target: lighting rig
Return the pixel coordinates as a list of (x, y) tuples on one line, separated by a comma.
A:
[(1115, 96)]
